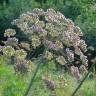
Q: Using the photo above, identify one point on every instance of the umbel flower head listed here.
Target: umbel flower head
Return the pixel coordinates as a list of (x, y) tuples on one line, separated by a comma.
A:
[(75, 72), (61, 60), (35, 41), (20, 54), (11, 41), (9, 32), (50, 84), (48, 55), (8, 51), (21, 66), (24, 45), (51, 29)]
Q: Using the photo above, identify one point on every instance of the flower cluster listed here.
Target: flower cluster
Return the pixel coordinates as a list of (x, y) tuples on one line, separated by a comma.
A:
[(8, 51), (84, 60), (61, 60), (51, 29), (21, 66), (20, 54), (48, 55), (70, 54), (9, 32), (24, 45), (35, 41), (83, 45), (11, 42), (13, 49)]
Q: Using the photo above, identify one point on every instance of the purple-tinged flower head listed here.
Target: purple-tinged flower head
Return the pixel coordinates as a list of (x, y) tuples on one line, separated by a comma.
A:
[(75, 72), (84, 60), (35, 28), (42, 32), (12, 41), (51, 16), (50, 84), (66, 35), (51, 11), (70, 54), (50, 44)]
